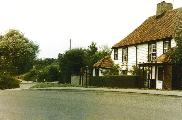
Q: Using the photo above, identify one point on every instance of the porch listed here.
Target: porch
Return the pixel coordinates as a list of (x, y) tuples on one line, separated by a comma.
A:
[(157, 75)]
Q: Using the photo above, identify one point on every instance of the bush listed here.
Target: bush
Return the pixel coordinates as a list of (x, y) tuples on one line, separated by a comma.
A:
[(49, 73), (117, 81), (8, 82)]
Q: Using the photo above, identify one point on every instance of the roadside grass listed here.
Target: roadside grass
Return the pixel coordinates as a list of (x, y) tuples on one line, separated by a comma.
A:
[(46, 85)]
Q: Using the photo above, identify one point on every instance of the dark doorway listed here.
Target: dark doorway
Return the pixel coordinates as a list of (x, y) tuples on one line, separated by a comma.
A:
[(176, 77)]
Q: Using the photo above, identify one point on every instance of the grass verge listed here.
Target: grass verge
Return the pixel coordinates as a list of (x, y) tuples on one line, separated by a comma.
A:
[(46, 85)]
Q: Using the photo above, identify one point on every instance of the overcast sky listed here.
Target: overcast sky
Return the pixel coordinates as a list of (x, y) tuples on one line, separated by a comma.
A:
[(51, 23)]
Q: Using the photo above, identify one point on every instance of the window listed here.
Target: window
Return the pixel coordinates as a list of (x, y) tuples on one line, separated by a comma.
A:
[(97, 72), (166, 46), (115, 54), (152, 52), (125, 54)]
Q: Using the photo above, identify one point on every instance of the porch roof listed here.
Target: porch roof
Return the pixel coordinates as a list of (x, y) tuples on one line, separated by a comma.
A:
[(105, 62), (150, 64)]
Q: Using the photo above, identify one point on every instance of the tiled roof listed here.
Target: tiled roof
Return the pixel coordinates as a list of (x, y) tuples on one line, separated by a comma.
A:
[(105, 62), (154, 28), (165, 58)]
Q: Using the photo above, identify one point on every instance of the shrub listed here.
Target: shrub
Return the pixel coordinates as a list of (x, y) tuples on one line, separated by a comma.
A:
[(8, 82), (49, 73), (117, 81)]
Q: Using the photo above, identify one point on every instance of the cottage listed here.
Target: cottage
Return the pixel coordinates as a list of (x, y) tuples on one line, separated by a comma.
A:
[(147, 45), (102, 65)]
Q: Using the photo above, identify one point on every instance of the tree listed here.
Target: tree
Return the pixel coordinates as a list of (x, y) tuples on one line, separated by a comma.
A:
[(176, 54), (17, 52), (71, 62), (93, 55)]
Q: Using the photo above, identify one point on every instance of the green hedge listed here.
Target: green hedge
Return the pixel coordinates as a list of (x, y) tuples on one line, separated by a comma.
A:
[(117, 81), (8, 82)]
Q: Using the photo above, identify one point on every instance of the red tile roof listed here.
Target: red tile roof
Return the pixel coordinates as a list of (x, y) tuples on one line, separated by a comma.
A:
[(105, 62), (154, 28), (165, 58)]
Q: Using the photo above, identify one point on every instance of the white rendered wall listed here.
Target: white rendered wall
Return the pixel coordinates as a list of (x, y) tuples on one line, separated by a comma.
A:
[(100, 72), (94, 72), (119, 61), (159, 48), (142, 53), (131, 57), (173, 43)]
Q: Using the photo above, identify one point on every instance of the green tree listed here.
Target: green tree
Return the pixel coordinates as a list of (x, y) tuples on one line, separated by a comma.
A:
[(44, 69), (176, 54), (71, 62), (93, 55), (17, 52)]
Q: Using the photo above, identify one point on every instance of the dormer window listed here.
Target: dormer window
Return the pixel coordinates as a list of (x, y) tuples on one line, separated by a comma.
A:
[(115, 54), (152, 52), (166, 45)]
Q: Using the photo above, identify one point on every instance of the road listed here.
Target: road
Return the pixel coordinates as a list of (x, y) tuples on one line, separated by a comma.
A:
[(87, 105)]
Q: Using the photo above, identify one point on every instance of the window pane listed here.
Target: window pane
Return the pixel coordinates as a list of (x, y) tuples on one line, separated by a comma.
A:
[(152, 52), (125, 55), (115, 54), (167, 46)]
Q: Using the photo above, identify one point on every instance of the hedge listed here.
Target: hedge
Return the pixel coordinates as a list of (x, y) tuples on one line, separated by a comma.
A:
[(8, 82), (117, 81)]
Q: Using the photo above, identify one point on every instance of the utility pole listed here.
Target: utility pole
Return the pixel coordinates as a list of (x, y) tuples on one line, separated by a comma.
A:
[(70, 43)]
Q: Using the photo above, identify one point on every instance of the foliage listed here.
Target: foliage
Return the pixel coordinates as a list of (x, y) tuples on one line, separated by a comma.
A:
[(17, 52), (136, 70), (49, 73), (46, 85), (7, 82), (176, 55), (76, 59), (41, 63), (111, 71), (116, 81), (71, 62), (142, 72), (94, 55)]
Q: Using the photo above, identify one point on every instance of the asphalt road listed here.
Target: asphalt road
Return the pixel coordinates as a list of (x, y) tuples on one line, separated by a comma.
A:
[(87, 105)]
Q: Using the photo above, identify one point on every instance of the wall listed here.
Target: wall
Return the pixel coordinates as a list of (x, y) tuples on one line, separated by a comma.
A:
[(131, 57), (75, 80), (142, 53), (173, 43), (159, 48), (119, 61)]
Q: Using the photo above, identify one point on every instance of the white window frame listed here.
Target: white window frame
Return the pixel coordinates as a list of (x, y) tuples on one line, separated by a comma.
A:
[(152, 52), (166, 45)]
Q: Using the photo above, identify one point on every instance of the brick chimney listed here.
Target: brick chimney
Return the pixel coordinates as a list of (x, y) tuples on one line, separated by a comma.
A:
[(163, 7)]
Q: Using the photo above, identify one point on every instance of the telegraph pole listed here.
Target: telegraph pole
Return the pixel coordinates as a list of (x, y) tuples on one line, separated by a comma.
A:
[(70, 43)]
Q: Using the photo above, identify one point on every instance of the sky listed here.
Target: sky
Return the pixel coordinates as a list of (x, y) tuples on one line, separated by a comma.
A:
[(52, 23)]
